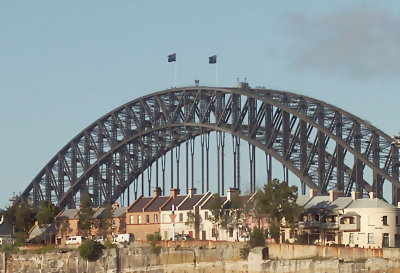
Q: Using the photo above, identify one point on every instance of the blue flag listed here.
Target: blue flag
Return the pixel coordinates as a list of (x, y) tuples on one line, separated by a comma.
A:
[(212, 59), (172, 58)]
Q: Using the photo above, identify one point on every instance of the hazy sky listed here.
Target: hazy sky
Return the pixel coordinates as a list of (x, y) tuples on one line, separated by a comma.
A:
[(65, 64)]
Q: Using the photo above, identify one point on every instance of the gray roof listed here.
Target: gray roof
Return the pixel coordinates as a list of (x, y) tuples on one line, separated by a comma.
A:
[(6, 228), (176, 201), (302, 200), (209, 202), (370, 203), (120, 212), (318, 202), (99, 213), (157, 203), (190, 202), (342, 203), (69, 213), (140, 204), (243, 200)]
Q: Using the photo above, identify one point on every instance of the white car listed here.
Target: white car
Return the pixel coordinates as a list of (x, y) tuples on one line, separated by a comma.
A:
[(122, 238), (244, 238), (73, 240), (99, 239)]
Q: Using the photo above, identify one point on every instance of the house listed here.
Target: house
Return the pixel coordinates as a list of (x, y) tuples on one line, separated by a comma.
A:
[(7, 234), (214, 231), (66, 224), (175, 212), (358, 222), (168, 214), (370, 223), (143, 216), (118, 218), (42, 235)]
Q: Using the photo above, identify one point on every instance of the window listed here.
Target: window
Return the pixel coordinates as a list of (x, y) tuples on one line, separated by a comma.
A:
[(113, 223), (206, 215), (385, 220), (180, 217), (122, 222), (131, 219), (230, 232), (351, 220), (213, 232), (164, 219), (155, 218), (370, 238), (351, 238), (139, 219), (147, 218), (397, 220)]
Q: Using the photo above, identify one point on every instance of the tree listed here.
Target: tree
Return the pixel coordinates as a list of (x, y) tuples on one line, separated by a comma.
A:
[(85, 215), (63, 226), (22, 217), (193, 222), (46, 213), (217, 214), (236, 219), (91, 250), (106, 221), (278, 201)]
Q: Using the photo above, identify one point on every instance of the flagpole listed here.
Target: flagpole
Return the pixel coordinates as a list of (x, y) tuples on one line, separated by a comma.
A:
[(175, 73), (216, 73)]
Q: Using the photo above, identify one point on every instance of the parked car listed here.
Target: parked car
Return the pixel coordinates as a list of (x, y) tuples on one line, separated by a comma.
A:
[(182, 237), (122, 238), (73, 240), (244, 238), (99, 239)]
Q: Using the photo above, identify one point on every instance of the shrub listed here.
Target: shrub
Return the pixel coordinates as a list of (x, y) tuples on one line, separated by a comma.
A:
[(244, 253), (109, 245), (90, 250), (256, 238), (20, 239), (154, 239)]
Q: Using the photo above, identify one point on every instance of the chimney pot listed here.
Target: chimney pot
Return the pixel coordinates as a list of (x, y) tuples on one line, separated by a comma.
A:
[(398, 205), (157, 192), (174, 192), (116, 205), (372, 195), (192, 191), (354, 195), (312, 193)]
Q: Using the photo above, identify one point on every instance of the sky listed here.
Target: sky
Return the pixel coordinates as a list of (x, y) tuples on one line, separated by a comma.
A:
[(64, 64)]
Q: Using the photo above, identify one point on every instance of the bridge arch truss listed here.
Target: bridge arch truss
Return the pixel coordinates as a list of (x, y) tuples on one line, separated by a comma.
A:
[(324, 146)]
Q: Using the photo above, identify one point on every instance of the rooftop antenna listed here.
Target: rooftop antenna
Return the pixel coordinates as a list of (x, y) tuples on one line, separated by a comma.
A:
[(238, 81)]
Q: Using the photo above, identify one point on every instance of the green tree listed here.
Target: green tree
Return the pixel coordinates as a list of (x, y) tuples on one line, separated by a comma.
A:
[(106, 221), (22, 217), (85, 215), (91, 250), (217, 214), (193, 222), (46, 213), (278, 201), (236, 214)]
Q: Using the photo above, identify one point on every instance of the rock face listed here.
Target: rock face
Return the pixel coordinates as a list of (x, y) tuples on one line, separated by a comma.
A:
[(222, 258)]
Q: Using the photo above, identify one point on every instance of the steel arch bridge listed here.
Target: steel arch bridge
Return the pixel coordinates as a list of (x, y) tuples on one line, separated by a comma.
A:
[(324, 146)]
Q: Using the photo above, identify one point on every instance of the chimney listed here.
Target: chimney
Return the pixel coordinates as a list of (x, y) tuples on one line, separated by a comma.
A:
[(372, 195), (398, 205), (116, 205), (354, 195), (232, 192), (334, 194), (36, 223), (192, 191), (157, 192), (312, 193), (174, 193)]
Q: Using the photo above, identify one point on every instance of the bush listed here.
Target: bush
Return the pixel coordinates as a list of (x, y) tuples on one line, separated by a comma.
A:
[(10, 248), (20, 239), (109, 245), (154, 239), (244, 253), (90, 250), (256, 238)]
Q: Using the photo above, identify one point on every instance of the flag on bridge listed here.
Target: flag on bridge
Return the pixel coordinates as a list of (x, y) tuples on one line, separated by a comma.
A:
[(172, 58), (212, 59)]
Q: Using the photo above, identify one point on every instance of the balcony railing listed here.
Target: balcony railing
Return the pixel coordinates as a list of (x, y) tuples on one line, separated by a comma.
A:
[(355, 226)]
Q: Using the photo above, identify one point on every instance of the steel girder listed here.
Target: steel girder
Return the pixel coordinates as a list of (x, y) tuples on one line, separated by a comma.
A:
[(326, 147)]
